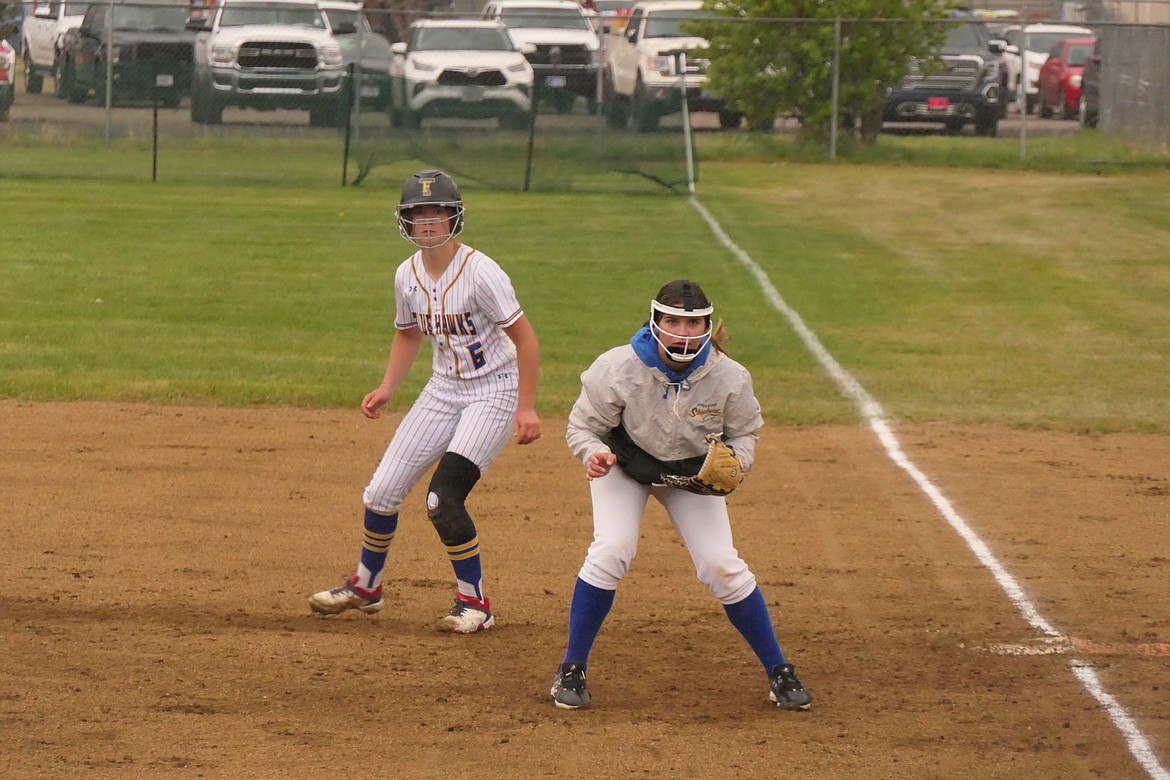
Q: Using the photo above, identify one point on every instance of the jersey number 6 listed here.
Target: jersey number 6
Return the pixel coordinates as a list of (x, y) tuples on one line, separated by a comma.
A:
[(476, 352)]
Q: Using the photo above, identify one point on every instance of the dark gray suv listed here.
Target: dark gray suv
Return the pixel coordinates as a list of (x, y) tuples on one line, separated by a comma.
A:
[(971, 85)]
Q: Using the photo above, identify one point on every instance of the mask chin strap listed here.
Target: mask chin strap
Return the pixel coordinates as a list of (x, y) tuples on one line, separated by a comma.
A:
[(685, 353)]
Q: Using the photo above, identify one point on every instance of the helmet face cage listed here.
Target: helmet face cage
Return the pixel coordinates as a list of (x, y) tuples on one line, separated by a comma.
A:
[(692, 345), (430, 188)]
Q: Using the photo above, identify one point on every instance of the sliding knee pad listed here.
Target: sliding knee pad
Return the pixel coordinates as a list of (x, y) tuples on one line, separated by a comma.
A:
[(446, 498)]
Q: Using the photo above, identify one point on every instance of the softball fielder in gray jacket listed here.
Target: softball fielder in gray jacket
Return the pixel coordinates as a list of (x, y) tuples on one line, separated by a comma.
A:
[(644, 411)]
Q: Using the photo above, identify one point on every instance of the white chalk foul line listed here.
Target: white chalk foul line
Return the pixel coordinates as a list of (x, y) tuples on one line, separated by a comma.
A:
[(872, 413)]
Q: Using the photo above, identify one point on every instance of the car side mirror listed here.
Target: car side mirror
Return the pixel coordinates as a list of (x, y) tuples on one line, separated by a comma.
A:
[(528, 48), (997, 45), (399, 48), (43, 11), (198, 24), (1011, 48)]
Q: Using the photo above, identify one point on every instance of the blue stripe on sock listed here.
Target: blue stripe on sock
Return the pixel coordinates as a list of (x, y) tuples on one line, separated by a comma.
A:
[(751, 618), (588, 611)]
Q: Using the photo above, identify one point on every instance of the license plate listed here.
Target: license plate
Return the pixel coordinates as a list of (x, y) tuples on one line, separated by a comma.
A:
[(371, 91), (473, 94), (164, 80), (554, 82), (937, 104)]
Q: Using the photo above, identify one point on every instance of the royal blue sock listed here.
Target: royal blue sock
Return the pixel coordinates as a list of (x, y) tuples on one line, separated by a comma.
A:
[(586, 614), (468, 569), (751, 618), (379, 532)]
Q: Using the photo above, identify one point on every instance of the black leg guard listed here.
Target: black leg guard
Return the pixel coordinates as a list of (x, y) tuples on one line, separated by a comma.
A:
[(453, 480)]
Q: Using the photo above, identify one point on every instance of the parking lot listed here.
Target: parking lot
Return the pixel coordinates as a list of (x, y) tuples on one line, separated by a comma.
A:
[(52, 116)]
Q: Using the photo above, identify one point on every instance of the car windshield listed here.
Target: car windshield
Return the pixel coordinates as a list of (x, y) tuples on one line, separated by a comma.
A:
[(1042, 42), (545, 18), (149, 17), (461, 39), (668, 24), (343, 16), (238, 15), (76, 9), (965, 36), (1078, 54)]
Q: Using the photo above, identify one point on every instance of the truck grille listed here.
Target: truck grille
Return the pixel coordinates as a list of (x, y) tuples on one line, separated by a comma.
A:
[(472, 78), (959, 73), (559, 55), (696, 66), (171, 52), (292, 55)]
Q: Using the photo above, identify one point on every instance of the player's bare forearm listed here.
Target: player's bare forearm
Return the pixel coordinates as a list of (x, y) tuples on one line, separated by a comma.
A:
[(526, 426), (403, 350)]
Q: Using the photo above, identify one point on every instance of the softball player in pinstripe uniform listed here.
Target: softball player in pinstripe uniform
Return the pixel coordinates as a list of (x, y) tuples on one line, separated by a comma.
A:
[(482, 388), (645, 411)]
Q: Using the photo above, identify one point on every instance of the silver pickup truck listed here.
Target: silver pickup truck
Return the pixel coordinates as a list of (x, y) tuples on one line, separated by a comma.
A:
[(291, 54)]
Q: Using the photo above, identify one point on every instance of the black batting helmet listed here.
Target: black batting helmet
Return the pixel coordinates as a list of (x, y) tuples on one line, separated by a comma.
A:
[(429, 188)]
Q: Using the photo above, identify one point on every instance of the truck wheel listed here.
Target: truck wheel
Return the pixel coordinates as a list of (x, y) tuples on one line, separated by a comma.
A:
[(617, 112), (987, 125), (562, 101), (99, 84), (326, 115), (33, 82), (645, 118), (729, 120), (59, 84), (203, 110), (514, 120), (74, 92)]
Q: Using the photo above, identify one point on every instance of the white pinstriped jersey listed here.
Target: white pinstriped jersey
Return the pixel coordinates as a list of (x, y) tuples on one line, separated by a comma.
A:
[(464, 313)]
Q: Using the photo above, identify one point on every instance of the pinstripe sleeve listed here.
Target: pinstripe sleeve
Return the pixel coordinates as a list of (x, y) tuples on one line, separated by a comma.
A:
[(494, 294), (403, 313)]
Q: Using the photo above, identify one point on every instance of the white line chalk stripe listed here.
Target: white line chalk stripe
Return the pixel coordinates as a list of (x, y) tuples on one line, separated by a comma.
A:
[(872, 413)]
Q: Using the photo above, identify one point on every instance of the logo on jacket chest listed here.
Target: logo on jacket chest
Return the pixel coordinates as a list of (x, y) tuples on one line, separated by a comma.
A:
[(703, 411)]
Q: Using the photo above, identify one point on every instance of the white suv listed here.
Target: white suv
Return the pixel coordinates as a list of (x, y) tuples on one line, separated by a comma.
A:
[(1041, 39), (566, 56), (460, 68)]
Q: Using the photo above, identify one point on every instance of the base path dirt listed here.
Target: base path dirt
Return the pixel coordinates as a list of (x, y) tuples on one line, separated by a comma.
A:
[(155, 563)]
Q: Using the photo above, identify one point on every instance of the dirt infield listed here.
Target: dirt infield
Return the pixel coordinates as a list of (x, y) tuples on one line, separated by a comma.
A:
[(155, 563)]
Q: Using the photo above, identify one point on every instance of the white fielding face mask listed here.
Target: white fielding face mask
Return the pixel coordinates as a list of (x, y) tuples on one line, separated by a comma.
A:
[(691, 346)]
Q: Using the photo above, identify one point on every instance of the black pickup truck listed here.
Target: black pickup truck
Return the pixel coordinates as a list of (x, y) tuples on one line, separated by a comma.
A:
[(969, 84), (144, 50)]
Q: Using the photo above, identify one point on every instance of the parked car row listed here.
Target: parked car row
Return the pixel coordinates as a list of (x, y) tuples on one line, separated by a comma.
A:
[(1028, 47)]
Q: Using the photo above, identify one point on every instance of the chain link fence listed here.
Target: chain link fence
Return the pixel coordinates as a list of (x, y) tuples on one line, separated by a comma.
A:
[(126, 73)]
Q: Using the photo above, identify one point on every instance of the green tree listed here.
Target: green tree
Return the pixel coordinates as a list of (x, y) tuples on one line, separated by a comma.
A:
[(770, 57), (9, 10)]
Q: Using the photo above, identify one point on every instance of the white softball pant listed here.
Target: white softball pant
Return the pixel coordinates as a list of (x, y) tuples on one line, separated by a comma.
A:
[(474, 425), (618, 505)]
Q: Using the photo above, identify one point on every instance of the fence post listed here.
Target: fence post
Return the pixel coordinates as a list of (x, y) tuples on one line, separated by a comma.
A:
[(686, 117), (835, 115)]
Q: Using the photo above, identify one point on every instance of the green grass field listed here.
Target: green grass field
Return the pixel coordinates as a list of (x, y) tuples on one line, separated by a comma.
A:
[(989, 295)]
